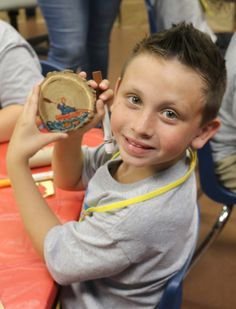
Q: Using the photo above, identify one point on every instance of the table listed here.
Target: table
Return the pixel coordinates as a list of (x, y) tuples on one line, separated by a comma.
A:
[(6, 5), (24, 280), (12, 8)]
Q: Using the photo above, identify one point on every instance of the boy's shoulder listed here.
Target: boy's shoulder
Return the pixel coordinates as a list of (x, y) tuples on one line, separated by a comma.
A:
[(9, 37)]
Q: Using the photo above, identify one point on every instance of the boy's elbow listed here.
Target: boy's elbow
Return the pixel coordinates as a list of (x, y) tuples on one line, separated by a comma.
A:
[(68, 186), (62, 276), (61, 279), (67, 183)]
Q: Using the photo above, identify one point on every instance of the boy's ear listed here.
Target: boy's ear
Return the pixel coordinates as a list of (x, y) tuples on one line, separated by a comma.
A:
[(206, 132), (117, 86)]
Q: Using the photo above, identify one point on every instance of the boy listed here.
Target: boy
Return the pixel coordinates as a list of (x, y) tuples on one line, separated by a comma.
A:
[(140, 213)]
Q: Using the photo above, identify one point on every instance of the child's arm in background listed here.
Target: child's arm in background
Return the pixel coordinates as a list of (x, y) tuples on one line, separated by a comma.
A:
[(67, 154), (42, 158), (8, 118)]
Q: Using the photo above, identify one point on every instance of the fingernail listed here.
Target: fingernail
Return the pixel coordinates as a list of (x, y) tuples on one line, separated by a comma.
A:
[(102, 97)]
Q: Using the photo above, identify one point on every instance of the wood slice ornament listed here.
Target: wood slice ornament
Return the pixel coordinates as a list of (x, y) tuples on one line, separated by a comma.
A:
[(66, 101)]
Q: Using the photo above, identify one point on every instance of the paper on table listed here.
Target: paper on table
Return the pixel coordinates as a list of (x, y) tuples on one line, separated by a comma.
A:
[(37, 178), (1, 305)]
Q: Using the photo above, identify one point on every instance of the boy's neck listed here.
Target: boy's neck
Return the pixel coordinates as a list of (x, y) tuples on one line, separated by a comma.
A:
[(126, 173), (130, 174)]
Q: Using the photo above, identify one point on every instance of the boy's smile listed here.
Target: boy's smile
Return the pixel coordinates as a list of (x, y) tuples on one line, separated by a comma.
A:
[(137, 147), (156, 113)]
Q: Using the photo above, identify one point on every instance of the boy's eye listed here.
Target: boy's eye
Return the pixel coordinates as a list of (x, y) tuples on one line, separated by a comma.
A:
[(134, 99), (170, 114)]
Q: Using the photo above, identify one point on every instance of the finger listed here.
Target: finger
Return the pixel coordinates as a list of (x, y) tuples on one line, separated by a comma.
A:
[(92, 84), (52, 137), (107, 95), (100, 108), (31, 98), (104, 84), (36, 89), (82, 74), (26, 107), (100, 112), (32, 105)]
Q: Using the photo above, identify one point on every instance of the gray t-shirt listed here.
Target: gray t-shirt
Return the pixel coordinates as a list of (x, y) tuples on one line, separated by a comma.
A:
[(20, 69), (123, 258), (224, 142)]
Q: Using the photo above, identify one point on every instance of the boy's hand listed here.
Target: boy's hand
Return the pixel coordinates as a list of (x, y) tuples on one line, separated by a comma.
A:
[(105, 97), (27, 139), (106, 93)]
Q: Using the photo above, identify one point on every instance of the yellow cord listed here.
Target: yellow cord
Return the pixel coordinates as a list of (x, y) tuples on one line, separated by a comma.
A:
[(147, 196)]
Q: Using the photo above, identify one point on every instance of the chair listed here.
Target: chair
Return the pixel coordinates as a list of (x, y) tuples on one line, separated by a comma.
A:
[(172, 296), (12, 8), (211, 186), (151, 16)]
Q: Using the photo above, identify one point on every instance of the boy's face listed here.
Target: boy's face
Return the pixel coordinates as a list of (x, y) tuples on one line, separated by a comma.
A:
[(157, 112)]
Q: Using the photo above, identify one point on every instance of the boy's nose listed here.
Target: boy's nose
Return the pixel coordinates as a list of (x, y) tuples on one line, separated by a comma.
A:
[(143, 124)]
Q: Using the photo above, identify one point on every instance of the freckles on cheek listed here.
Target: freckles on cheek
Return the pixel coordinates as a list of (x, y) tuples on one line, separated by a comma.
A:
[(117, 118), (173, 146)]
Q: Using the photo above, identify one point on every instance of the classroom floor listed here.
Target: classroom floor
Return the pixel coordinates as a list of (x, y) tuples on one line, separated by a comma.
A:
[(211, 283)]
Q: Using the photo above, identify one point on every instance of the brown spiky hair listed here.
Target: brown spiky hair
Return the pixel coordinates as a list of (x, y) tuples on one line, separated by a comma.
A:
[(194, 49)]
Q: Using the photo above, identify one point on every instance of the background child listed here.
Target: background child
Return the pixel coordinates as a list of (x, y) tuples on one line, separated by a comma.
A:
[(224, 142), (169, 12), (139, 222), (79, 33), (19, 71)]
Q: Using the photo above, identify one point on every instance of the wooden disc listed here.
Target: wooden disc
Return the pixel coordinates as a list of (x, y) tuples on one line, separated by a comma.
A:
[(66, 101)]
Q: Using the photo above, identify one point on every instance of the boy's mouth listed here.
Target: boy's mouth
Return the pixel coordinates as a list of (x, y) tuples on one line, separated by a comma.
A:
[(138, 144)]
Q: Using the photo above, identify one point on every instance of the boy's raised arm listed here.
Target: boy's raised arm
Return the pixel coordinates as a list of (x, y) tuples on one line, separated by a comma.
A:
[(25, 142), (67, 155), (67, 162)]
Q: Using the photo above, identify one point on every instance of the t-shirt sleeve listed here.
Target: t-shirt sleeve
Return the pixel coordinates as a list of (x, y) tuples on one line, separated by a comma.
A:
[(94, 157), (72, 253), (19, 65), (19, 76)]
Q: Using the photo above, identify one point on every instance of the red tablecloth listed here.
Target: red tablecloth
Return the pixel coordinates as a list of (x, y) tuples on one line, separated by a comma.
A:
[(24, 280)]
